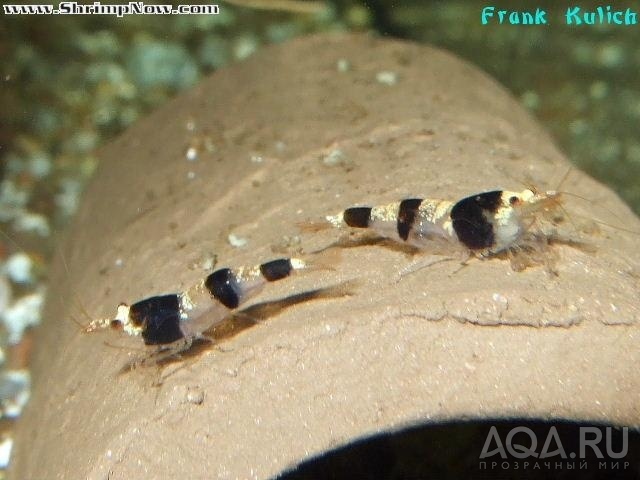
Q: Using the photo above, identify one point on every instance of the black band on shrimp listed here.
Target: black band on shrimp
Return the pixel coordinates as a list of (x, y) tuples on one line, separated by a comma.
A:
[(159, 318), (470, 219), (357, 217), (407, 213), (223, 286), (276, 269)]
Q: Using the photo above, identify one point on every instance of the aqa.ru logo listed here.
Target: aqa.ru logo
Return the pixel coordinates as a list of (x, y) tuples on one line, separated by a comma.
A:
[(589, 437)]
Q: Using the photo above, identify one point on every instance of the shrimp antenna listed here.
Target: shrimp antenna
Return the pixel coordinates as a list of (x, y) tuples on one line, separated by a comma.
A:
[(564, 178), (580, 197), (531, 186), (527, 185), (76, 298), (78, 323)]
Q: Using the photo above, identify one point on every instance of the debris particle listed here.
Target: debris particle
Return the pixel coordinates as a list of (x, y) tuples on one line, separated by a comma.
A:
[(500, 298), (343, 65), (195, 395), (335, 157), (291, 241), (208, 144), (387, 77), (192, 154), (236, 241), (206, 262)]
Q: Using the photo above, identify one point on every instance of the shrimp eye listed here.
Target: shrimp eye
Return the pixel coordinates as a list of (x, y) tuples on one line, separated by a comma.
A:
[(514, 200)]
